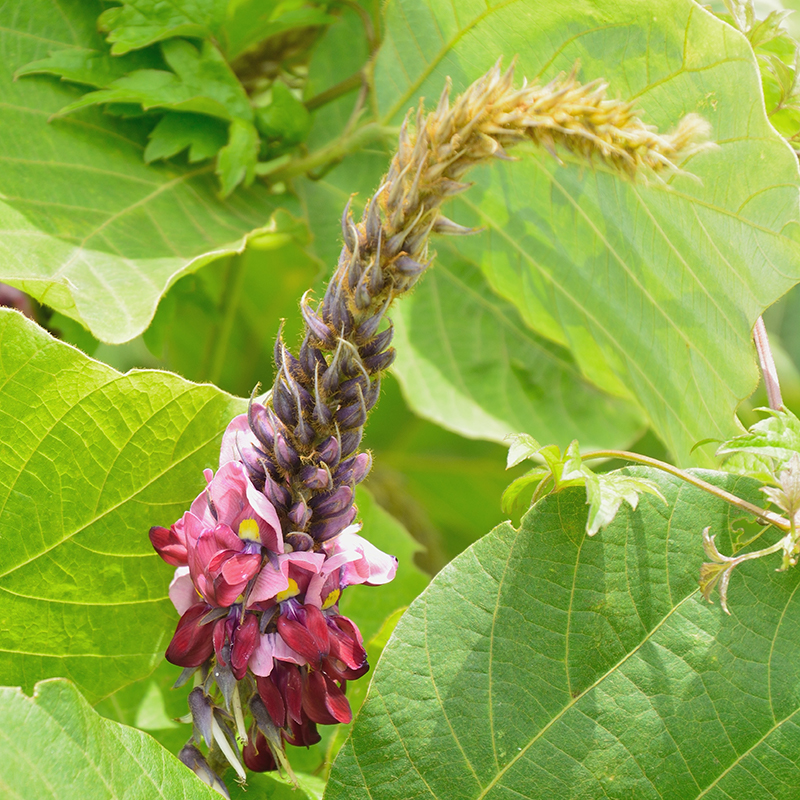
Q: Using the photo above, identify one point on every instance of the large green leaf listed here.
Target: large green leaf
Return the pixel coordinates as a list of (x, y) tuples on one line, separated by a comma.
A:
[(89, 460), (89, 228), (654, 288), (544, 664), (468, 362), (53, 746)]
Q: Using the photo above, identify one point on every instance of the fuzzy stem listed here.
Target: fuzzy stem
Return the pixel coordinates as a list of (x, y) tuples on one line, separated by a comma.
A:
[(762, 514), (767, 363)]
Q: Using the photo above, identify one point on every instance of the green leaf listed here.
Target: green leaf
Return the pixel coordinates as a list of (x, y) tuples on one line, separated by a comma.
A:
[(285, 118), (89, 460), (204, 136), (775, 438), (543, 664), (654, 287), (468, 362), (55, 747), (90, 229), (92, 67), (139, 23), (236, 162), (200, 81)]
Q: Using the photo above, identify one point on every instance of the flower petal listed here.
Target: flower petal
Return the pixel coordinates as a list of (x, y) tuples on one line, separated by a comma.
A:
[(191, 645), (372, 566), (182, 591)]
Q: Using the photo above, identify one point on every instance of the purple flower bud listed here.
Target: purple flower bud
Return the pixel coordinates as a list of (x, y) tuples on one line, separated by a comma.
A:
[(202, 713), (315, 477), (380, 342), (285, 454), (354, 469), (351, 440), (299, 541), (447, 227), (194, 759), (316, 325), (373, 221), (258, 420), (278, 495), (347, 229), (362, 296), (310, 357), (329, 451), (300, 514), (352, 389), (379, 362), (330, 504), (322, 530), (407, 267), (284, 404), (352, 416)]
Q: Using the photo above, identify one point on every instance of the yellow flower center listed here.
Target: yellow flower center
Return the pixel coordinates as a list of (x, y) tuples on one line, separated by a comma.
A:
[(332, 599), (248, 530), (292, 591)]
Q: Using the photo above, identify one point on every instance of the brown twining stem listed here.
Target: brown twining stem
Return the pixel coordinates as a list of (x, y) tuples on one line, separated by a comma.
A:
[(767, 364)]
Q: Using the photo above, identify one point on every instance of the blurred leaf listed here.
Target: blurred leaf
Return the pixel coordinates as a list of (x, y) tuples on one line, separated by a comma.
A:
[(272, 786), (220, 324), (200, 81), (654, 288), (543, 664), (236, 162), (468, 362), (445, 489), (285, 119), (139, 23), (60, 749), (250, 21), (90, 229), (92, 67), (203, 135), (90, 460)]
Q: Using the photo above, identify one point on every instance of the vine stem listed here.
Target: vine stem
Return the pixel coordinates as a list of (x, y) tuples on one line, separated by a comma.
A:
[(335, 151), (762, 514), (767, 363)]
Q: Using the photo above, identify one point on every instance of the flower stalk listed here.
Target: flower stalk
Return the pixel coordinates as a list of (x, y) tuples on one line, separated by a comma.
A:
[(266, 550)]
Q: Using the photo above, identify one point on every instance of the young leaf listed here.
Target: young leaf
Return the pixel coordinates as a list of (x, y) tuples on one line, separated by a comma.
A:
[(92, 67), (236, 162), (774, 440), (654, 288), (89, 460), (545, 664), (203, 135), (201, 81), (285, 119), (137, 24), (55, 747)]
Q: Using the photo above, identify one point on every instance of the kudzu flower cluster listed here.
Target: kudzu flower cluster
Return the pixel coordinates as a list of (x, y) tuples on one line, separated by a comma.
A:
[(267, 548)]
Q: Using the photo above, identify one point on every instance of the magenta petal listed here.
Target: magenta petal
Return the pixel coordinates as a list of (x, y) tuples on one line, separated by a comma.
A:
[(269, 525), (244, 643), (268, 583), (169, 544), (241, 567), (191, 645), (226, 594), (228, 493)]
